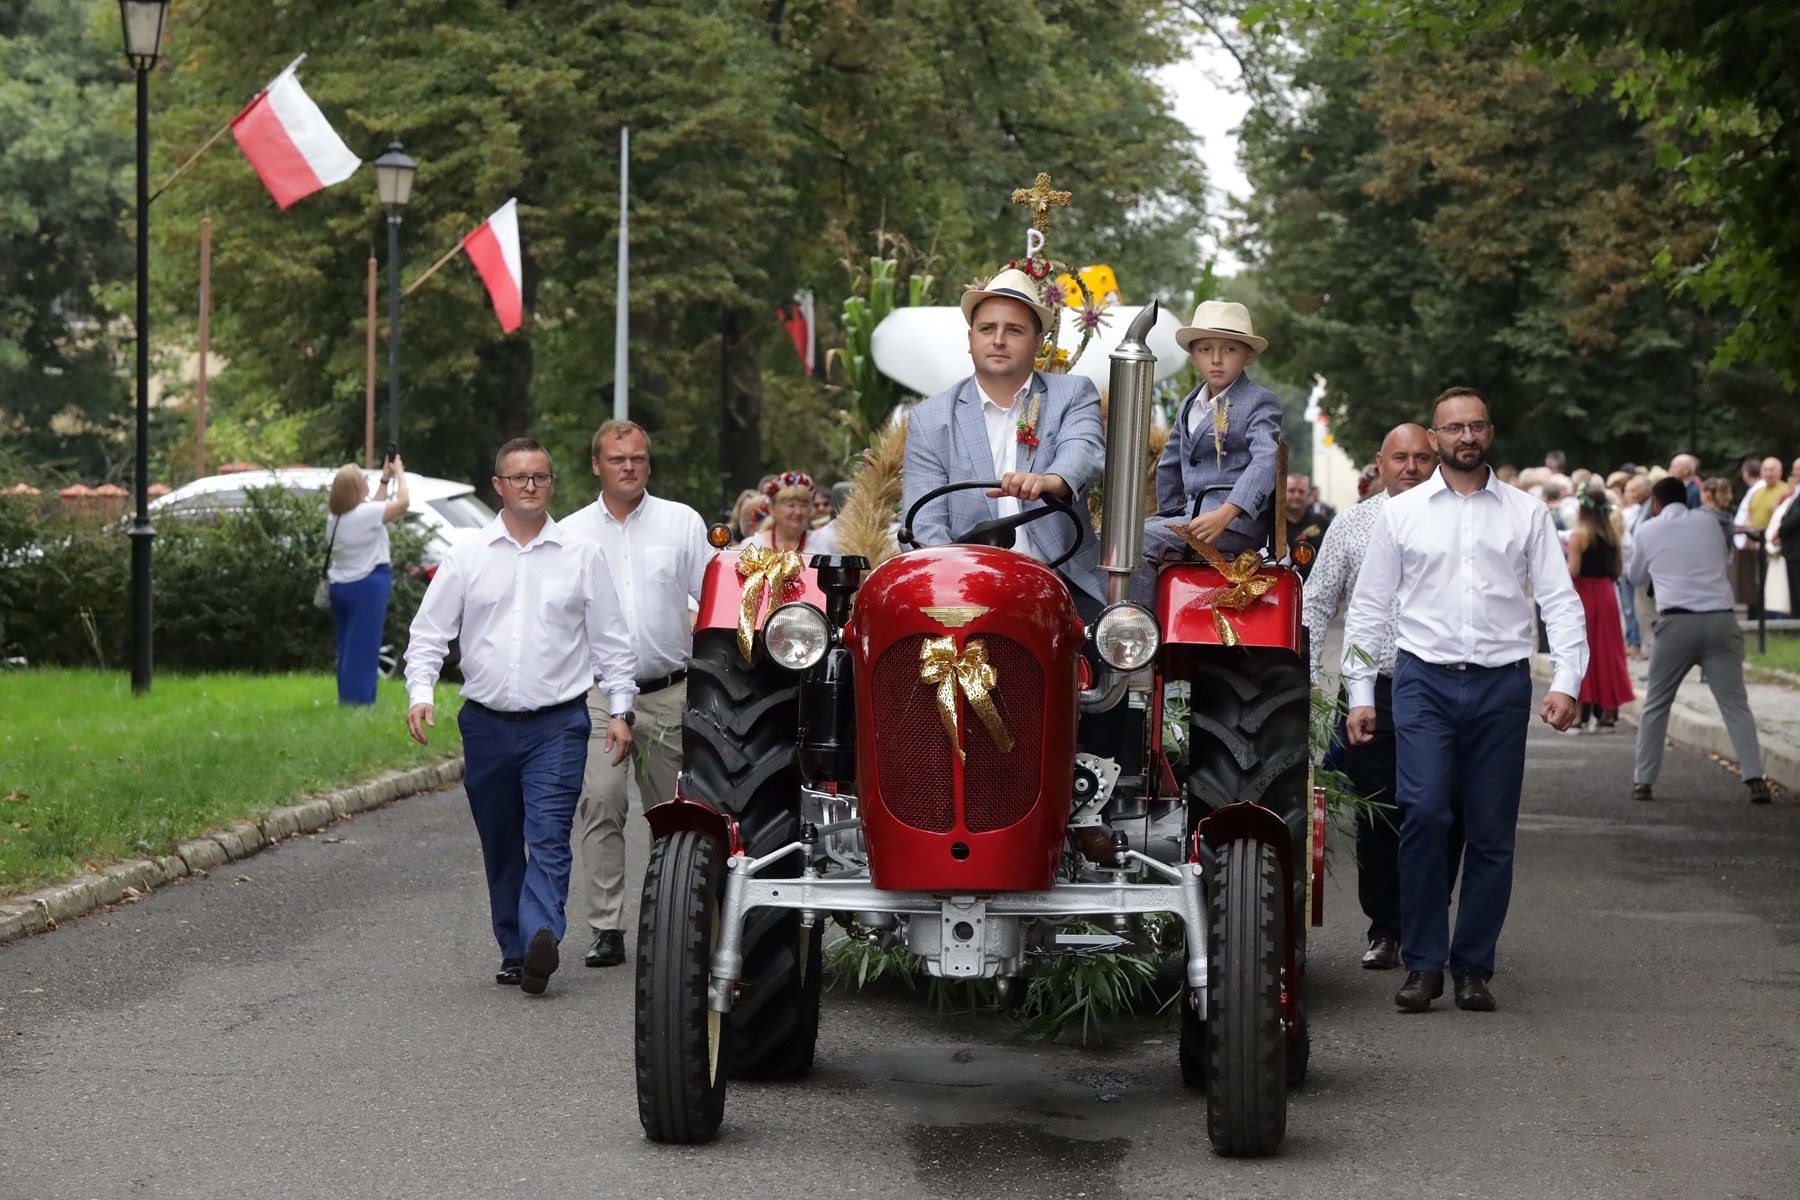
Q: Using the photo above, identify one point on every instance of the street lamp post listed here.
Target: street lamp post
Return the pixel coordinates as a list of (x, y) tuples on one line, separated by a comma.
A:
[(393, 181), (143, 25)]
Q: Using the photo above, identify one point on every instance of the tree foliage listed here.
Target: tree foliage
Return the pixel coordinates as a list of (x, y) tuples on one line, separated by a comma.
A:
[(1466, 216)]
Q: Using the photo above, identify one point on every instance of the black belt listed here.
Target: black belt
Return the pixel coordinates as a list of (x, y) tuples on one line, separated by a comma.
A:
[(646, 686), (528, 714), (1672, 611), (1465, 666)]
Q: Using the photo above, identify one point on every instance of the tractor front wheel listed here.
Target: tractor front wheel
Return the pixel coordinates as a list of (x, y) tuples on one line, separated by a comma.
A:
[(683, 1046), (1246, 1059)]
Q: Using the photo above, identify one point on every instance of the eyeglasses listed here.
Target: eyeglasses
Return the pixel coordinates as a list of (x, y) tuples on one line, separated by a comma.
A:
[(524, 481), (1457, 428)]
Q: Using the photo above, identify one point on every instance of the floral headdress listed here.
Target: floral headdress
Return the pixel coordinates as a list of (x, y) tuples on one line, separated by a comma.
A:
[(785, 481)]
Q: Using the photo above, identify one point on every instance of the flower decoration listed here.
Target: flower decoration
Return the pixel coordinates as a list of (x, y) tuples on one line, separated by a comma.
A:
[(785, 480), (1028, 437), (1054, 296), (1092, 318)]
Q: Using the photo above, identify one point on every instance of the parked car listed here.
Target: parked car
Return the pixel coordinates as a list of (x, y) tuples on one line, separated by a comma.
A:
[(448, 510)]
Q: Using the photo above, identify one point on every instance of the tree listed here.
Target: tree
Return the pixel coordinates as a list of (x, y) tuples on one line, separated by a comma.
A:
[(65, 154), (1461, 217)]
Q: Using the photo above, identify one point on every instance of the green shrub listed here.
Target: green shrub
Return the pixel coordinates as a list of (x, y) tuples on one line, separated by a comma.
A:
[(232, 590)]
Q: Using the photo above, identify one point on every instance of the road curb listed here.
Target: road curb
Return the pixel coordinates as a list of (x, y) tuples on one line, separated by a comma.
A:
[(1781, 762), (42, 910)]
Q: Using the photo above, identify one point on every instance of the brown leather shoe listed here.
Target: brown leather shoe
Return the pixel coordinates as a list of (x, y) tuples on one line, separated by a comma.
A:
[(1641, 791), (1759, 790), (1472, 993), (1383, 954), (1419, 990)]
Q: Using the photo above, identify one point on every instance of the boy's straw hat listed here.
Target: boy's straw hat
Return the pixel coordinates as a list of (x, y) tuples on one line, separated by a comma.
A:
[(1221, 318)]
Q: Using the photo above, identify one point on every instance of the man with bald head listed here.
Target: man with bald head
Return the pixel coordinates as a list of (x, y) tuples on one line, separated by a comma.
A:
[(1407, 458), (1686, 468)]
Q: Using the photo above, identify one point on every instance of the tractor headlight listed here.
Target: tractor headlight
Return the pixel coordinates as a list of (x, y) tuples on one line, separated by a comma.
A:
[(1126, 637), (796, 635)]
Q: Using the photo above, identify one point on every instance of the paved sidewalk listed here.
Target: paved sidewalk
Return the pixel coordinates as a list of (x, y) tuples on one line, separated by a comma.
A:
[(1694, 720)]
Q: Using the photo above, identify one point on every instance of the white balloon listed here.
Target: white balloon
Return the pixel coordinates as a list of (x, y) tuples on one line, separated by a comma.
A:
[(926, 350)]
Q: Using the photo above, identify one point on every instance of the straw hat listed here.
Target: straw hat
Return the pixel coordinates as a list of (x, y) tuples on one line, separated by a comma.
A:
[(1013, 284), (1221, 318)]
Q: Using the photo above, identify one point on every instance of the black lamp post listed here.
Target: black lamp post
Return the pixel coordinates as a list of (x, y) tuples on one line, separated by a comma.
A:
[(394, 180), (143, 24)]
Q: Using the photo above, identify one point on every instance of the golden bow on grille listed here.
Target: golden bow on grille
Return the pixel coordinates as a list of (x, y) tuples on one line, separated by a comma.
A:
[(765, 572), (940, 664), (1244, 582)]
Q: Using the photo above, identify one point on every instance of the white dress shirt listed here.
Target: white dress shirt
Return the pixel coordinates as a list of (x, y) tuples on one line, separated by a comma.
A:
[(1741, 541), (1682, 551), (1458, 565), (1333, 577), (1003, 444), (539, 622), (657, 557), (1202, 407)]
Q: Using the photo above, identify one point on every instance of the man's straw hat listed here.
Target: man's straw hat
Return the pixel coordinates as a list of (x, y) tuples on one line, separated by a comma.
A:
[(1013, 284), (1220, 318)]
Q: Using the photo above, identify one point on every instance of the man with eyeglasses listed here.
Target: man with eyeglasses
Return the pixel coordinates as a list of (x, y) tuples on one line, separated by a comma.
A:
[(539, 622), (1457, 552), (657, 552)]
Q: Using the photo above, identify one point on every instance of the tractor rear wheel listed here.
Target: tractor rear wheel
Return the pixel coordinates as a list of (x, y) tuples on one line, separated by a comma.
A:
[(1246, 1061), (739, 742), (682, 1045), (1249, 740)]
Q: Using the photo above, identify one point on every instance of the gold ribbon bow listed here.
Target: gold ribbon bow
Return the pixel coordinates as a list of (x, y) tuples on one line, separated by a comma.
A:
[(1244, 582), (939, 664), (765, 572)]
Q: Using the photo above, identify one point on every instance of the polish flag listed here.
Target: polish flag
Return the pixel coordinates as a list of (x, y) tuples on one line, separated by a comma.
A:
[(290, 143), (494, 249)]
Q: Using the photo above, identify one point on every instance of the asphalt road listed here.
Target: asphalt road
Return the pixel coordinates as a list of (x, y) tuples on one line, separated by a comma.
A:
[(320, 1021)]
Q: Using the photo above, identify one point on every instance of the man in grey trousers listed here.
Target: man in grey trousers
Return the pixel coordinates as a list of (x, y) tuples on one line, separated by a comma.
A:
[(1682, 551)]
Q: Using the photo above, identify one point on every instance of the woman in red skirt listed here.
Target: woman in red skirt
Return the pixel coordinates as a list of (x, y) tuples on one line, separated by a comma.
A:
[(1595, 561)]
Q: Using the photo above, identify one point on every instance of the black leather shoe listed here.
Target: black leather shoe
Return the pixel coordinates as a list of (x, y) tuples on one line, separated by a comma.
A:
[(541, 961), (1419, 990), (1759, 790), (1641, 791), (508, 972), (608, 949), (1472, 993), (1383, 954)]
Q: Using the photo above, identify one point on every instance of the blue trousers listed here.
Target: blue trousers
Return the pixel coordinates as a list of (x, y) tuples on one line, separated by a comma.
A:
[(358, 615), (1459, 736), (523, 778), (1628, 609)]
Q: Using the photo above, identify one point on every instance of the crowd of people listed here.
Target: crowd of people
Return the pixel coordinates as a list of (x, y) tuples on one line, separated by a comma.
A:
[(1451, 572)]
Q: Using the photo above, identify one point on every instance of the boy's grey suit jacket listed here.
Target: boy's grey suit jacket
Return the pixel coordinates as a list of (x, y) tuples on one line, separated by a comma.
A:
[(1190, 465), (946, 439)]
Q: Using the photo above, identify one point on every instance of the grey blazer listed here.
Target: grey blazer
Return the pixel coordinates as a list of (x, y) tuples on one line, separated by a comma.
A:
[(1190, 465), (946, 439)]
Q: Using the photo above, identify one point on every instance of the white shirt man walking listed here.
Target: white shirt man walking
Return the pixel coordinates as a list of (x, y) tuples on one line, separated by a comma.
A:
[(657, 552), (1457, 552), (1681, 551), (539, 622)]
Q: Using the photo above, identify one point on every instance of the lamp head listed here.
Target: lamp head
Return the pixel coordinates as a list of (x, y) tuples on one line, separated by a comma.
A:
[(143, 23), (394, 176)]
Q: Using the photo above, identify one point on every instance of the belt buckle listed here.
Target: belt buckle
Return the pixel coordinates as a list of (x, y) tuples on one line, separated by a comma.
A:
[(1458, 666)]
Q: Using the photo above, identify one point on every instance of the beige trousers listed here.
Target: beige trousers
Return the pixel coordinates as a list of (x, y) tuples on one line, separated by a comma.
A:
[(605, 802)]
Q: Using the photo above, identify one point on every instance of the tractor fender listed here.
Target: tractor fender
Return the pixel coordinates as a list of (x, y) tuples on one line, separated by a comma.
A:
[(1257, 823), (678, 814)]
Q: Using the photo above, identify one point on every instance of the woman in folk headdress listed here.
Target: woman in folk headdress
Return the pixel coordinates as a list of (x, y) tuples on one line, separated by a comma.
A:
[(789, 524)]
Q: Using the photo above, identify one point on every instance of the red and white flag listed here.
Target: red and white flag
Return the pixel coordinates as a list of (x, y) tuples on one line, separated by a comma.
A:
[(494, 249), (290, 143)]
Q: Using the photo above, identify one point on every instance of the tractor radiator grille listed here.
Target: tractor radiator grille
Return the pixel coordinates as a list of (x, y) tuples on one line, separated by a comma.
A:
[(1000, 788), (912, 752)]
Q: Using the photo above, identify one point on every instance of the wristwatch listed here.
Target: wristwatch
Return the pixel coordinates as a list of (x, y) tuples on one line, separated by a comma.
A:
[(629, 716)]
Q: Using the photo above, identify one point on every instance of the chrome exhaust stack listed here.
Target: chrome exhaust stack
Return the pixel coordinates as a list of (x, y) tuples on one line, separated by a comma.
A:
[(1122, 504)]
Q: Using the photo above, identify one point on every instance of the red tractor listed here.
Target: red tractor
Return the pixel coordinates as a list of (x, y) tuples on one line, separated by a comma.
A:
[(896, 749)]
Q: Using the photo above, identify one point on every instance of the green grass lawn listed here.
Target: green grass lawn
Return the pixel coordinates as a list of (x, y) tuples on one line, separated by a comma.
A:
[(1783, 654), (91, 774)]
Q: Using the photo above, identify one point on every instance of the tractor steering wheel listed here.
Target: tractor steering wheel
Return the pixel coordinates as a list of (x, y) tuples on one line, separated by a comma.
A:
[(998, 531)]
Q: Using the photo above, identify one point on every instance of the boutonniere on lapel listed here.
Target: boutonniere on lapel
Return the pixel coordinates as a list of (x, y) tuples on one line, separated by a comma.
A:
[(1028, 437), (1221, 424)]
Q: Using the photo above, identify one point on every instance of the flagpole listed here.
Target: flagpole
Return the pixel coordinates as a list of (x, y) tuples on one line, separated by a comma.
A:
[(207, 144), (205, 331), (622, 317), (448, 255)]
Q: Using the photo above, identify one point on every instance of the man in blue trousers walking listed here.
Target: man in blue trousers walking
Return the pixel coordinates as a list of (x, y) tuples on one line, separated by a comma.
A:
[(1458, 552), (539, 622)]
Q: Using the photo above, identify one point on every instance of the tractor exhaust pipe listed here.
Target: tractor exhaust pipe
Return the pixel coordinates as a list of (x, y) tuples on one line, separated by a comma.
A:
[(1122, 505), (1127, 438)]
